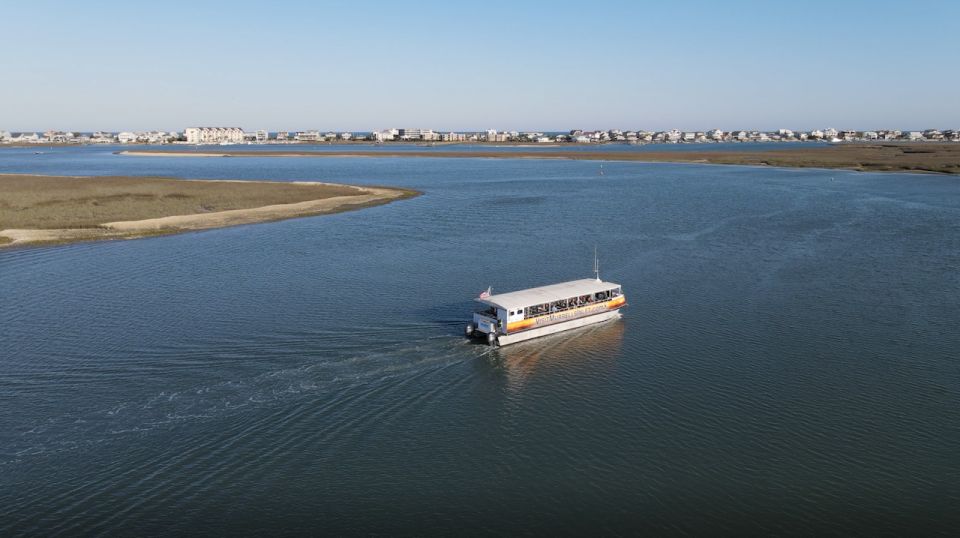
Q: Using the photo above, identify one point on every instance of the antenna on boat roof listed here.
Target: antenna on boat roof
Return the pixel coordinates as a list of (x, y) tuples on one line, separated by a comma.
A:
[(596, 263)]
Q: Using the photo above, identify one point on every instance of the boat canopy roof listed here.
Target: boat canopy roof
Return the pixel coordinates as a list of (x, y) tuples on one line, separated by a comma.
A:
[(546, 294)]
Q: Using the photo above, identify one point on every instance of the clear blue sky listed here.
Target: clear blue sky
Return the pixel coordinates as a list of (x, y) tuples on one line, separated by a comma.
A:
[(551, 65)]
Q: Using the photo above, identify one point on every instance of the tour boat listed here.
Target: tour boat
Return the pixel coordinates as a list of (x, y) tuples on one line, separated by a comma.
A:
[(508, 318)]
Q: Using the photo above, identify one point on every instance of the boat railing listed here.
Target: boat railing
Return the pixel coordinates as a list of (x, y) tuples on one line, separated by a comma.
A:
[(569, 304)]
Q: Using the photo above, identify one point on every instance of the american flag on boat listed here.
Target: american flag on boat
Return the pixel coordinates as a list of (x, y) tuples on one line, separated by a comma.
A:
[(486, 293)]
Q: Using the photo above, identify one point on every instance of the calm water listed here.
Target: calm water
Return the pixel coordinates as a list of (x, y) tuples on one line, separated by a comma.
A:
[(788, 363)]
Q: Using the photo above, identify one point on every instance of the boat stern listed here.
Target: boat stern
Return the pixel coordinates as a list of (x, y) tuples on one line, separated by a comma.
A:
[(484, 324)]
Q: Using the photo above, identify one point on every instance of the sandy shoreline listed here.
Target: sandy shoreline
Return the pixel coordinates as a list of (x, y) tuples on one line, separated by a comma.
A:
[(330, 198), (919, 157)]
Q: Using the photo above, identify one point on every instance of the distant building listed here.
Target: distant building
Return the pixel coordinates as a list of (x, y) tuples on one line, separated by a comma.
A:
[(598, 136), (673, 135), (386, 134), (26, 137), (126, 137), (307, 136), (417, 134), (262, 136), (57, 137), (494, 136), (213, 135)]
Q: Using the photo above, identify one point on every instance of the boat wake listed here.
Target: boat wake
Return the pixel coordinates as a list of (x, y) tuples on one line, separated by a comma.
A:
[(305, 380)]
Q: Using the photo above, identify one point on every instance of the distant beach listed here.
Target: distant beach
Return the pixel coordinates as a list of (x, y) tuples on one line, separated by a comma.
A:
[(63, 209), (892, 157)]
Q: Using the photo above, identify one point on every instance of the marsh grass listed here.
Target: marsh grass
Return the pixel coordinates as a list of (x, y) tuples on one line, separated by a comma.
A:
[(53, 202), (876, 157)]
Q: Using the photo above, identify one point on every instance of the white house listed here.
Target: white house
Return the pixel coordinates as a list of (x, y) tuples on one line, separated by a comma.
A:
[(386, 134), (24, 137), (307, 136)]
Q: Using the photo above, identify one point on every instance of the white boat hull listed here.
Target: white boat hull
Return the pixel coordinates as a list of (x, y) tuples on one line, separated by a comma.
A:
[(506, 339)]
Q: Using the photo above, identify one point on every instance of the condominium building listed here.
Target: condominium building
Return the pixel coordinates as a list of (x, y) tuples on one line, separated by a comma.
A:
[(417, 134), (213, 135)]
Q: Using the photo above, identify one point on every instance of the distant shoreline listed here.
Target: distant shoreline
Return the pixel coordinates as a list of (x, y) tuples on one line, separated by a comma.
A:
[(67, 209), (886, 157)]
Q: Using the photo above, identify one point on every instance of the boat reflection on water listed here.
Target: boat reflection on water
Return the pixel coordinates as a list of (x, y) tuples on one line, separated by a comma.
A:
[(592, 349)]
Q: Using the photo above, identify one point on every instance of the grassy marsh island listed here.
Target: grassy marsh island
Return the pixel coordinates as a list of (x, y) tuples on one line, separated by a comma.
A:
[(892, 157), (62, 209)]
